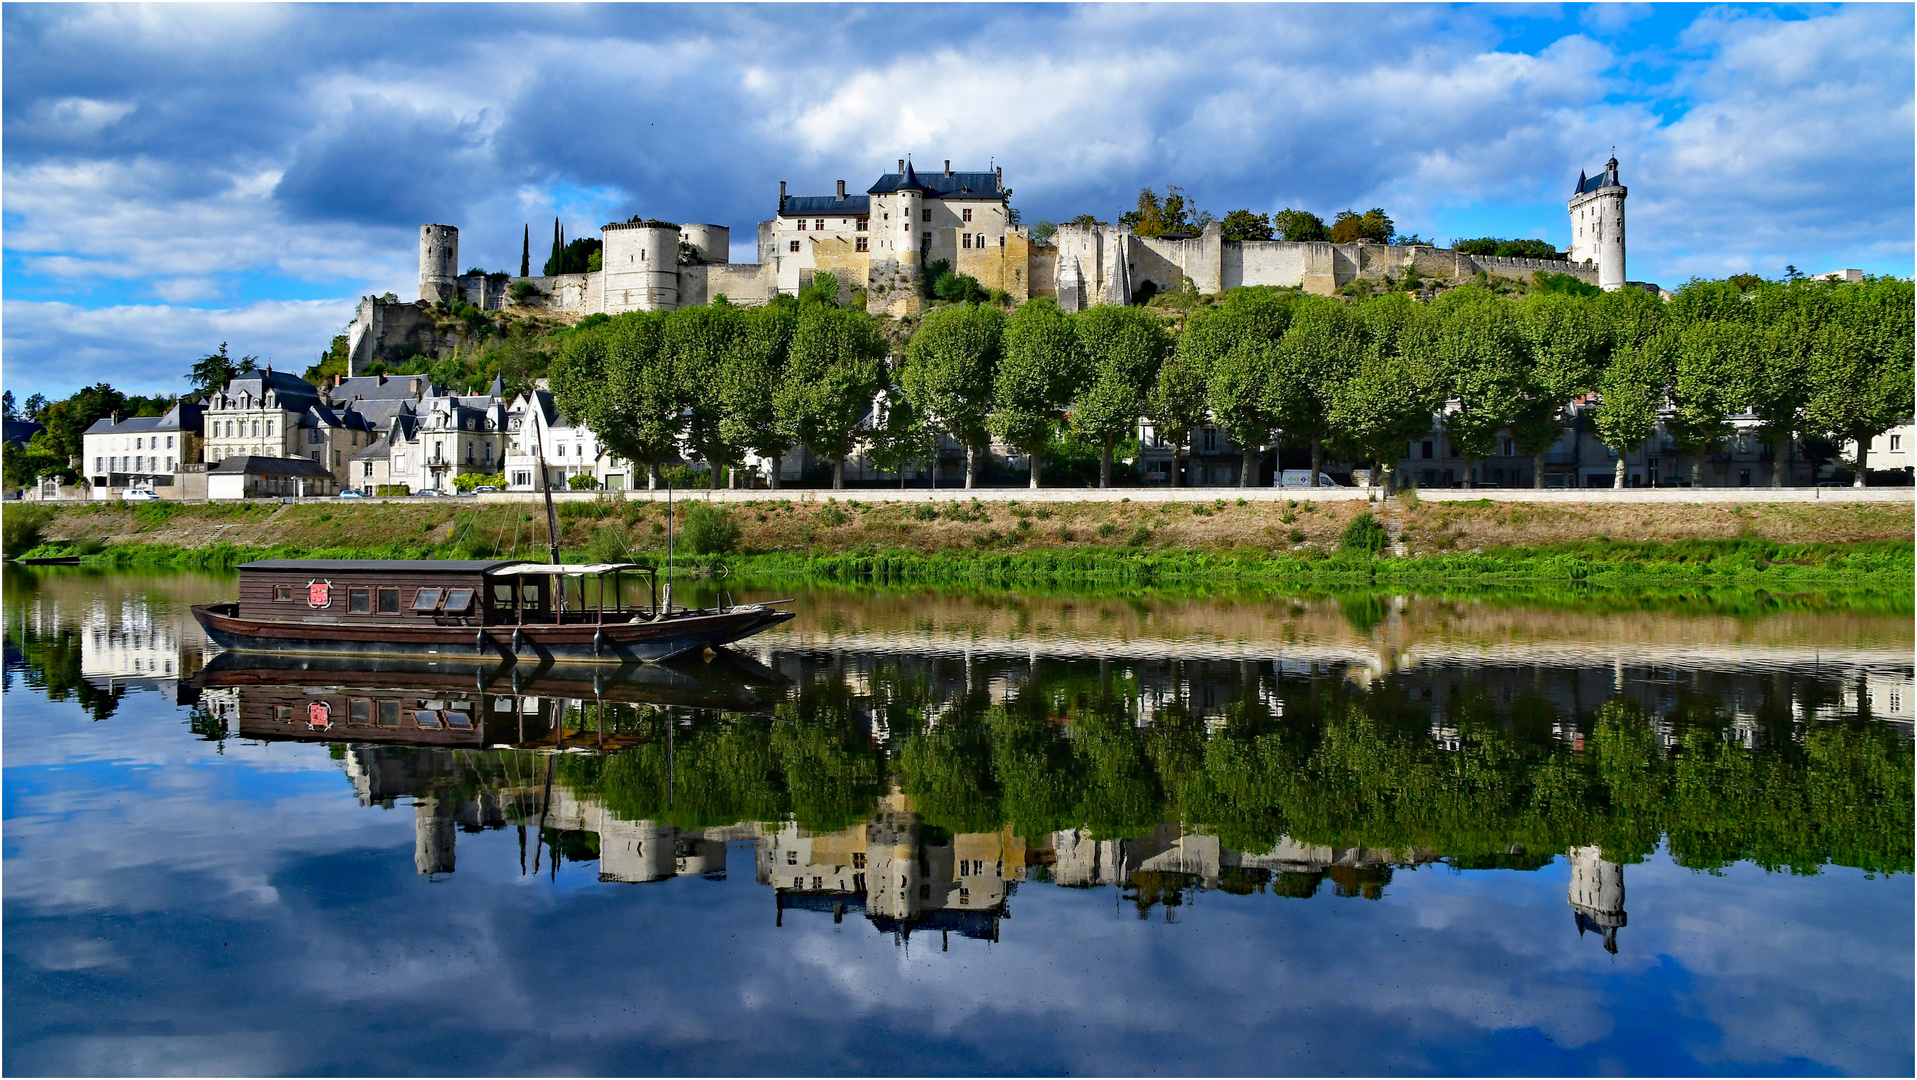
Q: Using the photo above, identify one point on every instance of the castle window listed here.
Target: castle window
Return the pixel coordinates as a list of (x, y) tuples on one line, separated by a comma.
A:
[(801, 224), (981, 239), (862, 224), (795, 245), (862, 243), (818, 224), (928, 213), (927, 237), (968, 240), (885, 217), (967, 214)]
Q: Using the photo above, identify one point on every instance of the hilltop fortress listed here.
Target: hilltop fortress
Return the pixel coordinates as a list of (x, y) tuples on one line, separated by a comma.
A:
[(881, 242)]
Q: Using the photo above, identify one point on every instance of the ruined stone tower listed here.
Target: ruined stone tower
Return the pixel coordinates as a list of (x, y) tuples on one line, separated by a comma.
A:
[(1597, 225), (438, 263)]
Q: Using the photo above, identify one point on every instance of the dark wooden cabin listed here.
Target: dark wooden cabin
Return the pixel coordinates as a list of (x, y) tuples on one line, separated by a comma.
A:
[(389, 592)]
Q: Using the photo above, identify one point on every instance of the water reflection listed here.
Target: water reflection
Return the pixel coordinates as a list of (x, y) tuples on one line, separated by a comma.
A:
[(905, 778)]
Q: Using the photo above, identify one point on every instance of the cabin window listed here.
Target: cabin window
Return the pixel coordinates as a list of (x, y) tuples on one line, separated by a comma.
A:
[(389, 601), (359, 711), (459, 720), (532, 595), (282, 712), (359, 600), (428, 721), (283, 594), (503, 595), (389, 714), (458, 600), (426, 599)]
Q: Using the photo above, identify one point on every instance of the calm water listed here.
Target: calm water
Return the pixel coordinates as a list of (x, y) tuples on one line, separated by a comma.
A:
[(921, 834)]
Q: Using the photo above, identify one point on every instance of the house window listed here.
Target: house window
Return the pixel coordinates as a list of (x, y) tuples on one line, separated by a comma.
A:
[(801, 224), (818, 224), (862, 224), (169, 442), (1510, 448), (366, 468), (283, 594), (256, 429), (139, 444), (861, 244), (359, 600), (967, 241), (928, 214), (389, 601), (1426, 448), (795, 245), (1896, 442), (967, 214), (981, 239), (1211, 440), (926, 237)]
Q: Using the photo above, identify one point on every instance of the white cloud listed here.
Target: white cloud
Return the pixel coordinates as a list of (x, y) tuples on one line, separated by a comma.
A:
[(58, 347)]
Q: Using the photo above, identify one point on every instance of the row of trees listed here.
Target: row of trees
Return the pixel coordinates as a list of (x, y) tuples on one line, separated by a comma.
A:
[(1353, 381)]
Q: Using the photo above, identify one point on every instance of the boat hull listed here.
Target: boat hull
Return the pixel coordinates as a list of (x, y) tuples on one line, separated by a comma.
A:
[(601, 643)]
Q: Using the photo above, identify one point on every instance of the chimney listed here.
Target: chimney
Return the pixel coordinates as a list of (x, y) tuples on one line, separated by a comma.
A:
[(901, 166), (999, 172), (841, 189), (339, 381), (948, 166), (116, 418)]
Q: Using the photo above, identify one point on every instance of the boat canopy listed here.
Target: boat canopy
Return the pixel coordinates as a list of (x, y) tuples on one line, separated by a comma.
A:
[(568, 569)]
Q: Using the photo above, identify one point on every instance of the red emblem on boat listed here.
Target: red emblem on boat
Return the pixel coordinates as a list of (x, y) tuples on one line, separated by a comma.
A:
[(319, 715), (319, 593)]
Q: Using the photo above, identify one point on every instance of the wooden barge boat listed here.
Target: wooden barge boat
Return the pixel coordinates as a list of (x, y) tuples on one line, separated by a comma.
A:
[(500, 609)]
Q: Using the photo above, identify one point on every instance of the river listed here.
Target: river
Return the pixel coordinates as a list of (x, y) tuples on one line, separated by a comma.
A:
[(927, 833)]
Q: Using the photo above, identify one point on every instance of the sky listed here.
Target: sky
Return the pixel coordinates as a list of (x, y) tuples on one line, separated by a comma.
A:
[(178, 176)]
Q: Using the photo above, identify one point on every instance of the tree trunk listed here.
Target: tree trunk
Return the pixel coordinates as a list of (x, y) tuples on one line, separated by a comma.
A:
[(1181, 465), (971, 466), (1863, 459), (1780, 447), (1617, 475), (1250, 467), (1537, 471), (1470, 474), (712, 474), (772, 471), (1105, 463), (1035, 466), (1697, 468), (838, 474), (652, 476), (1317, 460)]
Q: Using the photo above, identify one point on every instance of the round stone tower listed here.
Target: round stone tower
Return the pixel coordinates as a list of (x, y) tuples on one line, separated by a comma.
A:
[(1597, 225), (911, 204), (711, 244), (641, 260), (438, 263)]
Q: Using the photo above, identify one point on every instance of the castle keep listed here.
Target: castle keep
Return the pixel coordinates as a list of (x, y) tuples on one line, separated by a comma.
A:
[(882, 241)]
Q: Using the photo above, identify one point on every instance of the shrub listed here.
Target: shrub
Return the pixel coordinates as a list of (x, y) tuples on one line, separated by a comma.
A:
[(1043, 512), (583, 482), (1140, 536), (1106, 528), (469, 481), (925, 512), (710, 529), (831, 516), (391, 489), (522, 289), (20, 527), (1363, 534), (1296, 536), (608, 545)]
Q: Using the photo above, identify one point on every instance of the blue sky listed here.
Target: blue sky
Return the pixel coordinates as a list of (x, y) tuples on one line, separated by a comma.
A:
[(178, 176)]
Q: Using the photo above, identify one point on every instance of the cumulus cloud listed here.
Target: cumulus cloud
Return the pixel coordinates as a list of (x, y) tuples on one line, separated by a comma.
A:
[(219, 155)]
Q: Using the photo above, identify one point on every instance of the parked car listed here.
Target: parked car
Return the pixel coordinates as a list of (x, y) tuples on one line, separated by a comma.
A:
[(429, 492), (1301, 478), (141, 495), (484, 487), (351, 493)]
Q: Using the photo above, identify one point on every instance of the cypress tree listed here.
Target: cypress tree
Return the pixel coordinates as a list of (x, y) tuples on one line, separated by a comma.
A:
[(552, 264), (525, 254)]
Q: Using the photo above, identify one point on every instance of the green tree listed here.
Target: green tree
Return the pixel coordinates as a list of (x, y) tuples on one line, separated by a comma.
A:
[(1041, 368), (1243, 225), (696, 342), (1324, 342), (1178, 404), (1484, 355), (1299, 226), (1708, 382), (1861, 367), (1123, 348), (836, 367), (1630, 393), (1785, 321), (1570, 339), (215, 370), (951, 365), (902, 436), (1388, 398), (617, 380), (1175, 213), (1374, 224), (751, 380)]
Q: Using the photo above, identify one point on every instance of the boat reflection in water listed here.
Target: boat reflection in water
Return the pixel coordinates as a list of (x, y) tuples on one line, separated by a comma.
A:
[(616, 767)]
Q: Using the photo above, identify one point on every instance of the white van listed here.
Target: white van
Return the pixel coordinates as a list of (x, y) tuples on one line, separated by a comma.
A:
[(1301, 478)]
